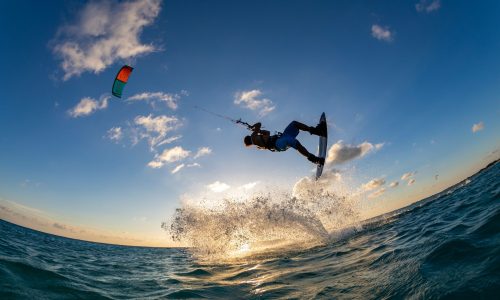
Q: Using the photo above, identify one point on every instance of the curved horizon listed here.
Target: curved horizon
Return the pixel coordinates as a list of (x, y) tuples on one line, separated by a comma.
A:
[(410, 94)]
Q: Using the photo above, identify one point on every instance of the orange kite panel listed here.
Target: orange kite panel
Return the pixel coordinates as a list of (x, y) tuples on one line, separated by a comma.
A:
[(124, 73)]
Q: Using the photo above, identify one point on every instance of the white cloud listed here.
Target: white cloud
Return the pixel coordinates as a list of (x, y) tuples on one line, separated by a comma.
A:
[(104, 32), (408, 175), (411, 181), (155, 129), (87, 106), (340, 152), (266, 110), (115, 133), (169, 99), (394, 184), (253, 101), (152, 129), (177, 169), (477, 127), (428, 6), (382, 33), (202, 152), (218, 187), (373, 184), (377, 193), (249, 185), (169, 140), (174, 154), (155, 164), (168, 156), (158, 124)]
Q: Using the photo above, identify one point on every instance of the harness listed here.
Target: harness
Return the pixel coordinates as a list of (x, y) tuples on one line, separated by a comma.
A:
[(262, 142), (271, 144)]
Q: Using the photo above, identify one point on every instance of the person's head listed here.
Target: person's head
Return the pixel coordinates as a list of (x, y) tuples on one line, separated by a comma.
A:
[(248, 141)]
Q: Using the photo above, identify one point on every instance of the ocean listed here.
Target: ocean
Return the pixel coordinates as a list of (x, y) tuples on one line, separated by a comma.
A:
[(446, 246)]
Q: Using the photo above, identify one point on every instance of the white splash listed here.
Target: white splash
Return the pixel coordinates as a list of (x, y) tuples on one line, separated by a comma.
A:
[(232, 228)]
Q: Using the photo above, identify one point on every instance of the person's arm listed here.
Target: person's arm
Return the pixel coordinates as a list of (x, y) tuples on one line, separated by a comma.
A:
[(265, 132), (256, 127), (257, 131)]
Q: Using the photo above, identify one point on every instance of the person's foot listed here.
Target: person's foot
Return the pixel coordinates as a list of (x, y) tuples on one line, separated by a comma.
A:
[(318, 130), (316, 160)]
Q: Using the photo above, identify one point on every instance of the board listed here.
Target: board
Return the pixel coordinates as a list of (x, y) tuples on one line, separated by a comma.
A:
[(323, 141)]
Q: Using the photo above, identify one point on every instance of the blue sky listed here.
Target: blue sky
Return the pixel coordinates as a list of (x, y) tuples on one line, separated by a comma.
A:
[(409, 87)]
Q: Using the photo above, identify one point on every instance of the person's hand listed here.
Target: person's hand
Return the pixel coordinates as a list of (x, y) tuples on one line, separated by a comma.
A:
[(256, 126)]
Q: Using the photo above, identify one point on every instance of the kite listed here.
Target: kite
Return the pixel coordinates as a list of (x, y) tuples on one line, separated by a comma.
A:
[(120, 80)]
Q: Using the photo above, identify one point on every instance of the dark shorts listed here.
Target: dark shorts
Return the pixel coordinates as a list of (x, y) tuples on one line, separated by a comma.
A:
[(288, 138)]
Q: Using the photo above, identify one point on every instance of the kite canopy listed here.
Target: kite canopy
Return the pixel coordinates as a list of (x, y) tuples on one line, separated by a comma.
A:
[(120, 80)]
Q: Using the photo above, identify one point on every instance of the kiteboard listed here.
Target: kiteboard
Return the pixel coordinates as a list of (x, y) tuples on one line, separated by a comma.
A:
[(323, 139)]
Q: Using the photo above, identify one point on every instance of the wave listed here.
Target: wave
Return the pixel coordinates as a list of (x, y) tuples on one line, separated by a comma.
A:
[(47, 282)]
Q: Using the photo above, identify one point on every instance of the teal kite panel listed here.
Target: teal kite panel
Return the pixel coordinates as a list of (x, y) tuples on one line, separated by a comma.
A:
[(118, 88)]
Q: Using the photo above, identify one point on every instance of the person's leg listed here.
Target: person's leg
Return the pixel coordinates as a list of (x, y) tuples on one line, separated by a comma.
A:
[(301, 126), (288, 137), (284, 142), (311, 157), (302, 150), (293, 129)]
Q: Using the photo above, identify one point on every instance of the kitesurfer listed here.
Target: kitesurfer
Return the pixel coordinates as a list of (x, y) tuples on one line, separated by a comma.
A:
[(282, 141)]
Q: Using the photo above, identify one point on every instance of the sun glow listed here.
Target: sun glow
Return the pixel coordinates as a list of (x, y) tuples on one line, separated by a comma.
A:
[(244, 248)]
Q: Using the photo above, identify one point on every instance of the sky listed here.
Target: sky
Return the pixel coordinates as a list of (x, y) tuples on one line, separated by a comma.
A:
[(411, 91)]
